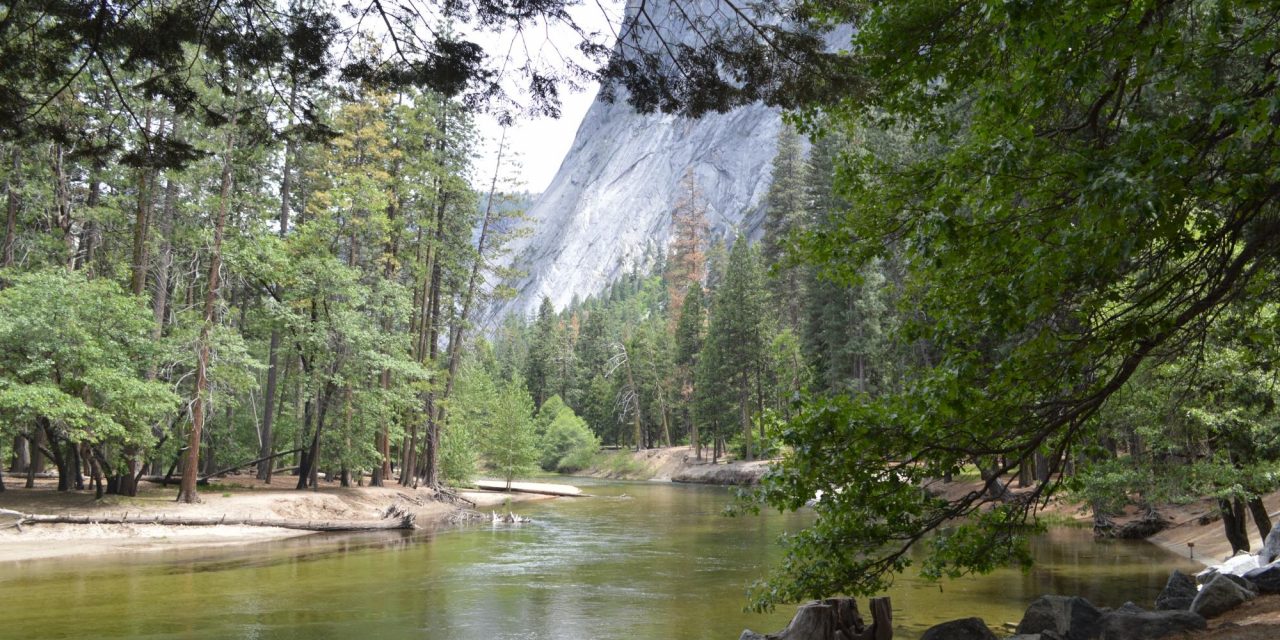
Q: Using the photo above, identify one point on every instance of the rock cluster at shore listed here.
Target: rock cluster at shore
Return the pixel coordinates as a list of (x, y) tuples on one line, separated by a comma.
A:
[(1183, 606)]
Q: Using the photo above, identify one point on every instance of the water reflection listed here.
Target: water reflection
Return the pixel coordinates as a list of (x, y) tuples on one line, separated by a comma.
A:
[(662, 563)]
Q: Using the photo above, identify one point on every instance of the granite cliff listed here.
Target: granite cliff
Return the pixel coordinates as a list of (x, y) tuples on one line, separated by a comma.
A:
[(608, 209)]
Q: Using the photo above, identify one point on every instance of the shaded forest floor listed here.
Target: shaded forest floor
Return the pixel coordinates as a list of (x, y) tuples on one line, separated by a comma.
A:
[(234, 497)]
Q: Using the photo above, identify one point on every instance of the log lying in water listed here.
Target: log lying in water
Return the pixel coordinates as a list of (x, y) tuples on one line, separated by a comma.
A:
[(402, 521), (562, 490)]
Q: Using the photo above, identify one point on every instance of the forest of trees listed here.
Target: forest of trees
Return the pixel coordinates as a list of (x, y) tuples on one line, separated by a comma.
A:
[(188, 286), (714, 346), (1035, 243)]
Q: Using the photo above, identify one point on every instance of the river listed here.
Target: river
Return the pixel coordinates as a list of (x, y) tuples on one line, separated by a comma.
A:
[(638, 561)]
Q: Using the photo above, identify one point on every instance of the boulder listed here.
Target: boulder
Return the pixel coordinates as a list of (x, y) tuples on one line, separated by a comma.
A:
[(1148, 625), (1178, 592), (1270, 547), (1129, 607), (1242, 581), (966, 629), (1265, 579), (1239, 565), (1206, 576), (1071, 618), (1219, 596)]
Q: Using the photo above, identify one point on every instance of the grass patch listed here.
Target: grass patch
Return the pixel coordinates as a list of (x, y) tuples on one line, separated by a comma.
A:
[(1062, 520), (619, 464)]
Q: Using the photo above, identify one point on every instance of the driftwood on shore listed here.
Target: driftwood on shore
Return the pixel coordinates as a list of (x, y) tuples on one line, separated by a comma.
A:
[(402, 520), (545, 490)]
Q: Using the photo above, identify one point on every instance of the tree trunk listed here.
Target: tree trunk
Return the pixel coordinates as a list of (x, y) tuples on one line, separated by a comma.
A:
[(54, 451), (430, 465), (1024, 474), (1233, 524), (141, 226), (187, 491), (309, 470), (11, 209), (62, 201), (75, 465), (89, 234), (21, 455), (693, 435), (1260, 517), (266, 436), (745, 416), (37, 458), (456, 334)]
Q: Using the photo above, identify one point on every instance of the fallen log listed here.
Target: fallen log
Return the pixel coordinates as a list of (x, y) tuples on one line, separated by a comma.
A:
[(222, 472), (541, 489), (166, 480), (403, 520)]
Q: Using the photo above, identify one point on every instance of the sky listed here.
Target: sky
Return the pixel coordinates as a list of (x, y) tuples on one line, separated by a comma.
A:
[(539, 144)]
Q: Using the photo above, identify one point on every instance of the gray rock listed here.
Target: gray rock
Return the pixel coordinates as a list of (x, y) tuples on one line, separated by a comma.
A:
[(1129, 607), (1207, 576), (1239, 564), (965, 629), (1026, 636), (608, 209), (1243, 582), (1265, 579), (1072, 618), (1270, 547), (1178, 592), (748, 634), (1219, 596), (1148, 625)]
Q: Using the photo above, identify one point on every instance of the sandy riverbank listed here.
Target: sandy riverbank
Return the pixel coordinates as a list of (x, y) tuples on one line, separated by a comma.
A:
[(676, 464), (236, 497)]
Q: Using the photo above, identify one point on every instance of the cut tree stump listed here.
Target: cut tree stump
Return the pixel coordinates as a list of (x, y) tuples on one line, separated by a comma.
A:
[(403, 520), (834, 619)]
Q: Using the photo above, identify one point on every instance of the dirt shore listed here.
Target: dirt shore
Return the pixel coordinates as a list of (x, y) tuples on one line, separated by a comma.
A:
[(676, 464), (234, 497)]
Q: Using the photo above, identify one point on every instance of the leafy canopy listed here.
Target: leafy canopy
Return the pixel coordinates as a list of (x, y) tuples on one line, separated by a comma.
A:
[(1077, 188), (73, 355)]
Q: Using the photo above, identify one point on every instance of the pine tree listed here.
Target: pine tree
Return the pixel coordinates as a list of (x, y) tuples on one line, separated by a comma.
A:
[(511, 444), (732, 362), (686, 261), (785, 212), (689, 337), (544, 350)]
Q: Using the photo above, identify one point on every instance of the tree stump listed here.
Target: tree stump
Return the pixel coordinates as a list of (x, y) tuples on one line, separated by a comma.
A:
[(835, 619)]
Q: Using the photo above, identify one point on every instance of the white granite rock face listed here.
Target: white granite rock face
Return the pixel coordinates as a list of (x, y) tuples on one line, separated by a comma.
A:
[(608, 209)]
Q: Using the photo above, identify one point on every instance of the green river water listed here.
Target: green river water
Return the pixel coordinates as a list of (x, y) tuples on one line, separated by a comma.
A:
[(639, 561)]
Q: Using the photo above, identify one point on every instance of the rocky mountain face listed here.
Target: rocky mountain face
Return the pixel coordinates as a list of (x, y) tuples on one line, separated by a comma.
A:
[(608, 209)]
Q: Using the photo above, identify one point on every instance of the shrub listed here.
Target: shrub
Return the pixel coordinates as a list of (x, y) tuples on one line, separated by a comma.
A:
[(568, 444)]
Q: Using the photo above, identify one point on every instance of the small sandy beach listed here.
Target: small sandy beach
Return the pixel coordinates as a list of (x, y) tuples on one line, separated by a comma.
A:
[(234, 497)]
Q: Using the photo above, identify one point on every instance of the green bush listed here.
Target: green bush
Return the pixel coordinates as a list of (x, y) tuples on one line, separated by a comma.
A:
[(576, 460), (568, 444)]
